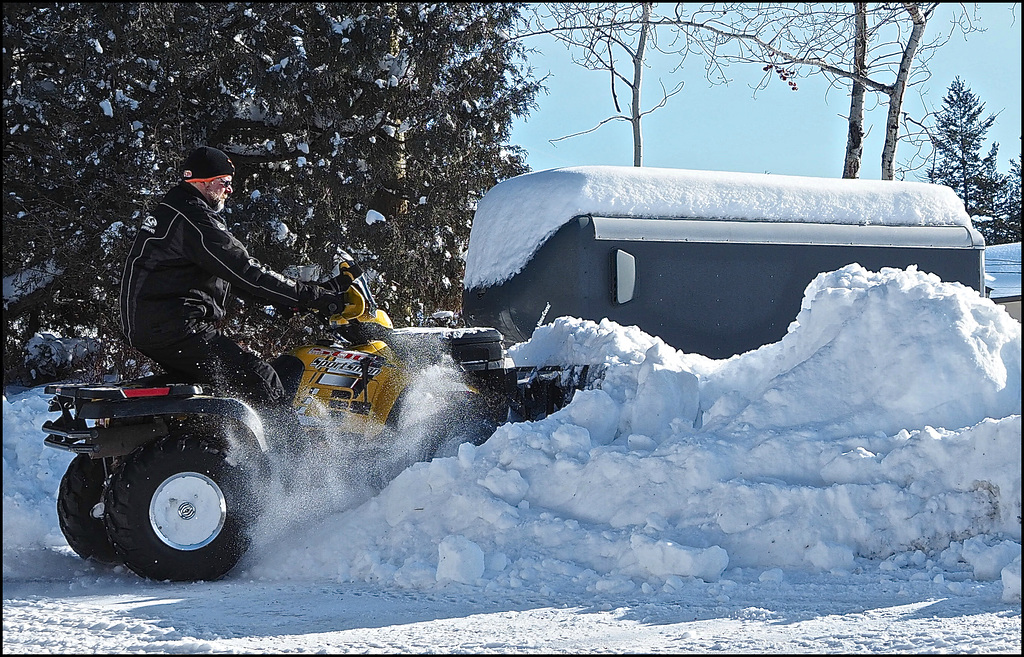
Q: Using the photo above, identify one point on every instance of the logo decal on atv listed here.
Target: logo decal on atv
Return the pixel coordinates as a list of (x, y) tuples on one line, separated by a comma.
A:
[(329, 364), (321, 351), (340, 381)]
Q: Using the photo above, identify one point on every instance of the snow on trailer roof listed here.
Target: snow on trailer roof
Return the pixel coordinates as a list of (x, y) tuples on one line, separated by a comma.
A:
[(518, 215)]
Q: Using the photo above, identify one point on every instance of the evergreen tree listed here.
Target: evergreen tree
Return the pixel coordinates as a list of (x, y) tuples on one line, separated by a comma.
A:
[(959, 135), (1006, 222), (373, 127)]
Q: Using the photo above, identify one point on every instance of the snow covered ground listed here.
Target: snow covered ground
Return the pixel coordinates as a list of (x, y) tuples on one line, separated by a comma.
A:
[(855, 487)]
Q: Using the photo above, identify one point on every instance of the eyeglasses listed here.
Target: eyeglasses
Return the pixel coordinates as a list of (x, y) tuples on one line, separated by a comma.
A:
[(226, 184)]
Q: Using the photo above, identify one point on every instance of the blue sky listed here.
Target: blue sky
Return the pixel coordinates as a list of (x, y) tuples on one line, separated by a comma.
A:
[(724, 128)]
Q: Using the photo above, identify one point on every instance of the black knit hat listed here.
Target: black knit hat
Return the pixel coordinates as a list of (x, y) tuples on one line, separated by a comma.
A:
[(206, 163)]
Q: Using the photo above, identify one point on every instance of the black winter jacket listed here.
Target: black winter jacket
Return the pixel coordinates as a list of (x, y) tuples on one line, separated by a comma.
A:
[(181, 268)]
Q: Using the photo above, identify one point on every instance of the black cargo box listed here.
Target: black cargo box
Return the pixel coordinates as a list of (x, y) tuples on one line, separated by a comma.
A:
[(716, 287)]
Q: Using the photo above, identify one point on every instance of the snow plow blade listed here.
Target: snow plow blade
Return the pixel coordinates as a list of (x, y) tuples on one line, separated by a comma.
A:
[(540, 391)]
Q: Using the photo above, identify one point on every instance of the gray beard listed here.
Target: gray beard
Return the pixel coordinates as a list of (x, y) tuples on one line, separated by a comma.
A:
[(218, 206)]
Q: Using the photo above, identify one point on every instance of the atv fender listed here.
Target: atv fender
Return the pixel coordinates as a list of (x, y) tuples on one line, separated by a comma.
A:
[(221, 407)]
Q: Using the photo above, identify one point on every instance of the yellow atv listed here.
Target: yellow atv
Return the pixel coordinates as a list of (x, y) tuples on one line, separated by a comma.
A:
[(167, 474)]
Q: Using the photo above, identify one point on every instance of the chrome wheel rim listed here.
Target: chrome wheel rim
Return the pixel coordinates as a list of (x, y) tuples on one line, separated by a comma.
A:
[(187, 511)]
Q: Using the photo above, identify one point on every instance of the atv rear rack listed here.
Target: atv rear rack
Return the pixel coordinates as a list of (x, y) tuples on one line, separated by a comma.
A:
[(115, 440), (131, 415), (94, 392)]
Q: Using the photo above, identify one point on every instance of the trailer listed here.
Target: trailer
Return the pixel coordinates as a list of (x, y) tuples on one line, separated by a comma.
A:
[(713, 263)]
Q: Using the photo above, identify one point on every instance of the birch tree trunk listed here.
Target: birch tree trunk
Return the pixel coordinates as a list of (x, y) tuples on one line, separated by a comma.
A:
[(887, 39), (855, 136), (892, 121), (637, 86)]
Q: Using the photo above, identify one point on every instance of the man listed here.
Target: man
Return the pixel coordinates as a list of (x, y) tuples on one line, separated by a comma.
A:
[(176, 282)]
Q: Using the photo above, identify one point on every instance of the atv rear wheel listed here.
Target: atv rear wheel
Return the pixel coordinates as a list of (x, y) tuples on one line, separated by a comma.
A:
[(81, 522), (177, 510)]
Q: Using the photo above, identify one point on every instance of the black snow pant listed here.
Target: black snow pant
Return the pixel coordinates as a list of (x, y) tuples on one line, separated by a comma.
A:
[(232, 370)]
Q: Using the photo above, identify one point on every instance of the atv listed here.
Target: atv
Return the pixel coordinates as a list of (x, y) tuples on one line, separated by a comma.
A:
[(167, 477)]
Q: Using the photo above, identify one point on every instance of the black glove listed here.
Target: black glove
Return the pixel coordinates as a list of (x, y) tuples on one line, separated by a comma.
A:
[(337, 285), (330, 303), (195, 308)]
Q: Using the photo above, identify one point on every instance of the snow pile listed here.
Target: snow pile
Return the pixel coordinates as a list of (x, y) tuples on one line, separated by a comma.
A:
[(32, 474), (882, 434), (835, 449), (535, 205)]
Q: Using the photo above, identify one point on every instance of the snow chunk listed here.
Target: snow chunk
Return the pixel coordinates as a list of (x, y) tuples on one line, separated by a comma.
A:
[(662, 558), (1011, 581), (989, 561), (459, 560), (508, 485), (830, 557), (282, 233), (664, 392)]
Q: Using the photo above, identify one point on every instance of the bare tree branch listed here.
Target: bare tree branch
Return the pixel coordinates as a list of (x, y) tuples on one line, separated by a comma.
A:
[(617, 117), (872, 51), (594, 33)]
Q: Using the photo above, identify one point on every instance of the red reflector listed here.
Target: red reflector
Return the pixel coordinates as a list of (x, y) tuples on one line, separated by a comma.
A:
[(146, 392)]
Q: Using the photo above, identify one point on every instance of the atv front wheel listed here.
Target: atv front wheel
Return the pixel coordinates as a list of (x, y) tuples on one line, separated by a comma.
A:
[(177, 510), (80, 512)]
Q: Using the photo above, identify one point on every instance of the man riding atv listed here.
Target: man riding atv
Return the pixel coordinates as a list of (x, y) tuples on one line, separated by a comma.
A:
[(177, 278), (171, 473)]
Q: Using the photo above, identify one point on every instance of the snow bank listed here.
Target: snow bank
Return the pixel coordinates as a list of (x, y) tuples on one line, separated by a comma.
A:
[(884, 426), (31, 474), (925, 339), (882, 433), (532, 207)]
